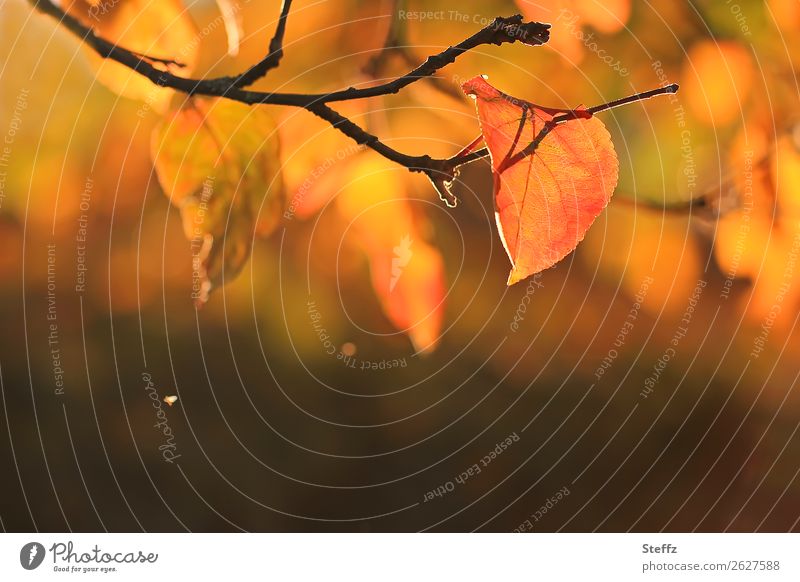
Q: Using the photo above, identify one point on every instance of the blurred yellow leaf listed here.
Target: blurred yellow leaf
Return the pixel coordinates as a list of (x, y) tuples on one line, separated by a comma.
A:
[(606, 16), (315, 156), (218, 161), (160, 29), (786, 14), (786, 177), (635, 244), (569, 17), (740, 243), (716, 80)]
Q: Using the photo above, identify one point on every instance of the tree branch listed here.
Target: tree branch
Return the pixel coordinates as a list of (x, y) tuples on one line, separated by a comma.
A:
[(501, 30), (163, 61), (441, 172), (273, 58)]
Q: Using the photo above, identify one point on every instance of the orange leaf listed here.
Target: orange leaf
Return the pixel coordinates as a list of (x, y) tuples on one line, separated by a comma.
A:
[(409, 282), (548, 195), (407, 272), (606, 16)]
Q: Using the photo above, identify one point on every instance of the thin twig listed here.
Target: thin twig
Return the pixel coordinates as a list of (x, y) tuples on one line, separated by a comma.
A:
[(397, 44), (362, 137), (167, 62), (469, 154), (582, 113), (501, 30), (441, 172), (273, 58)]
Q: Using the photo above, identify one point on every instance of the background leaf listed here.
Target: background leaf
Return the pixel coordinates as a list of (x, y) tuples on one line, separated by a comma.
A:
[(160, 29), (232, 18), (218, 161), (407, 272)]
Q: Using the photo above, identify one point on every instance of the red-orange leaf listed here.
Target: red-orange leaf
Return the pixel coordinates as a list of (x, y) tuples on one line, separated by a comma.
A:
[(547, 196)]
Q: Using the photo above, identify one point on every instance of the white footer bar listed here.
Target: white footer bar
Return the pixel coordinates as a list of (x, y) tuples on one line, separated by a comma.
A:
[(400, 557)]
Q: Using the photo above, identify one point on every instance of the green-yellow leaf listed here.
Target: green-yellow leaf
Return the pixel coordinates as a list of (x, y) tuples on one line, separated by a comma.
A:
[(218, 162)]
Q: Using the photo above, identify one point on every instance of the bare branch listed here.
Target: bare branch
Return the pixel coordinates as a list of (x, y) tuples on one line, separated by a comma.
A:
[(273, 58), (440, 171), (499, 31)]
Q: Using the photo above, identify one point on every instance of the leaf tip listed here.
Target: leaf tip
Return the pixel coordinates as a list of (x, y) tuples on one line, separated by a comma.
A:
[(424, 350), (514, 277), (477, 87)]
